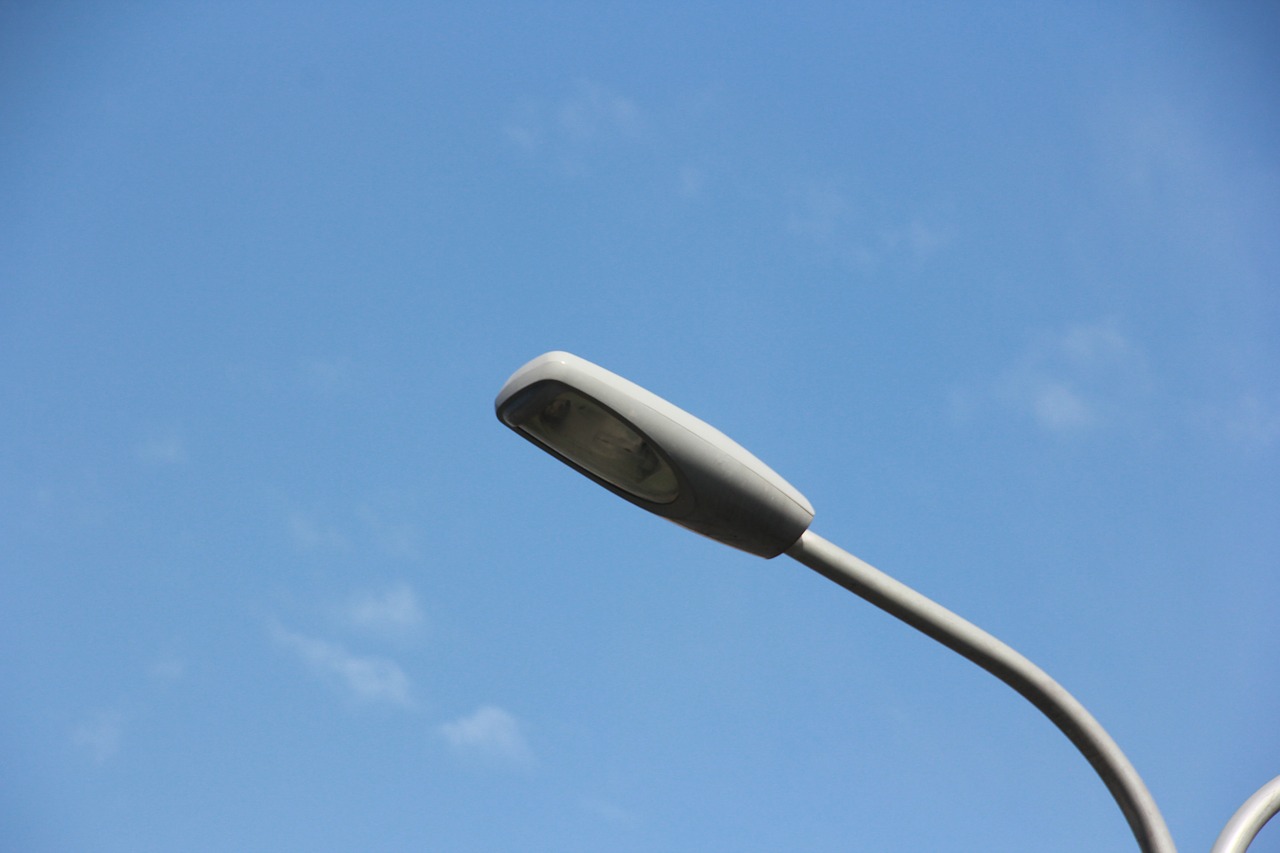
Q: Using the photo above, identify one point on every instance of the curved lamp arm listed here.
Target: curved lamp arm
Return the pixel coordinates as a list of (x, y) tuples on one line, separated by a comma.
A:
[(1245, 824), (664, 460), (1022, 675)]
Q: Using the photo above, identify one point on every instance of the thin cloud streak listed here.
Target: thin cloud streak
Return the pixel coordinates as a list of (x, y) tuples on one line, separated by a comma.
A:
[(366, 678)]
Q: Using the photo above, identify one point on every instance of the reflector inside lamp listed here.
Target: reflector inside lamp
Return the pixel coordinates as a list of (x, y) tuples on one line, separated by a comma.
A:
[(593, 438)]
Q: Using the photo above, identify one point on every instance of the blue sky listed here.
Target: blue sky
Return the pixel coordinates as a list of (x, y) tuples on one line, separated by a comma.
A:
[(994, 285)]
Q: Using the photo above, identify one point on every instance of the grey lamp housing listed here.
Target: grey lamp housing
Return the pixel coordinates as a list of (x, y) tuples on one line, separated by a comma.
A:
[(657, 456)]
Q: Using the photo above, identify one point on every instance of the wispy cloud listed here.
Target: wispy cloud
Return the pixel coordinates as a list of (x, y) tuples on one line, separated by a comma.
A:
[(525, 128), (100, 736), (392, 613), (1250, 421), (309, 533), (918, 239), (365, 677), (328, 378), (1080, 378), (592, 111), (691, 181), (364, 527), (1213, 198), (819, 212), (168, 668), (608, 811), (823, 215), (491, 736), (324, 378), (568, 131), (1056, 406), (167, 449)]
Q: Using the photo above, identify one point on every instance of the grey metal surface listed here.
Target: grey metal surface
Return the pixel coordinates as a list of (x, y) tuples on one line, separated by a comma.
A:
[(1249, 819), (722, 490)]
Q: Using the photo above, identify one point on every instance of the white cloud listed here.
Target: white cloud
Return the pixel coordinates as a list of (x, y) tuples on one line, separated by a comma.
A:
[(367, 678), (309, 534), (392, 613), (1058, 408), (168, 668), (821, 214), (917, 239), (608, 811), (364, 527), (490, 735), (524, 128), (328, 378), (1093, 345), (593, 111), (323, 378), (1250, 421), (691, 181), (569, 130), (100, 736), (162, 450), (1083, 377), (1210, 196)]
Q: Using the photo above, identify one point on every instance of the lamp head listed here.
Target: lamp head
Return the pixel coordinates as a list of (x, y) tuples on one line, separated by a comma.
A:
[(659, 457)]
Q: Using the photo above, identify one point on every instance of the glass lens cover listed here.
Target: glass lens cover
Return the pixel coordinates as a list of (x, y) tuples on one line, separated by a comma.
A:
[(594, 438)]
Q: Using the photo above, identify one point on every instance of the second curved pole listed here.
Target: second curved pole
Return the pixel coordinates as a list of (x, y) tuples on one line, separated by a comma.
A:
[(962, 636), (1245, 824)]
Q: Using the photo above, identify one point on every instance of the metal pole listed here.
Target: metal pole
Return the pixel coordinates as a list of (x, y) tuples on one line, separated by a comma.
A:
[(959, 635), (1245, 824)]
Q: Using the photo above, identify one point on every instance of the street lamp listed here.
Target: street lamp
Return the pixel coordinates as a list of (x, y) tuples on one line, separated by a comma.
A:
[(639, 446), (665, 460)]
